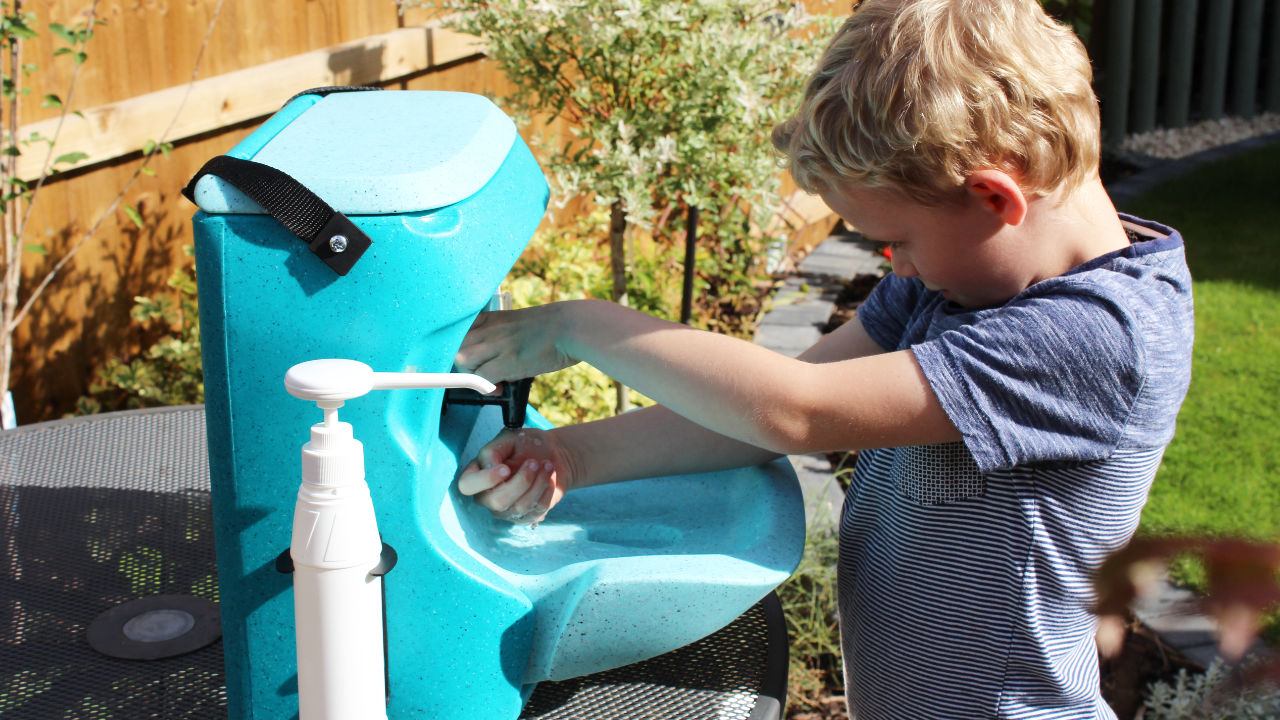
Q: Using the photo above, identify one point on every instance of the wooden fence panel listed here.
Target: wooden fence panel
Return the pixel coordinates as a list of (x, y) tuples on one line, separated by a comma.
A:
[(108, 131), (1117, 75), (1207, 60), (1180, 62), (149, 45), (1246, 58), (1271, 84), (1146, 64), (1216, 63), (139, 63)]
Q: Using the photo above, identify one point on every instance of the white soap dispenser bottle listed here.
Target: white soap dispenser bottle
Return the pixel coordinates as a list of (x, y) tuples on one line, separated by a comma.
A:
[(337, 595), (337, 553)]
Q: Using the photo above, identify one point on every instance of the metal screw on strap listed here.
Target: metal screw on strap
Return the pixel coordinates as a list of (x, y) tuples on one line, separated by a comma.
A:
[(338, 243)]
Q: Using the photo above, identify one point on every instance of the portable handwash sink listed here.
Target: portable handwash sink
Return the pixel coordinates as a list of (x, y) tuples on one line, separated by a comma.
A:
[(445, 194)]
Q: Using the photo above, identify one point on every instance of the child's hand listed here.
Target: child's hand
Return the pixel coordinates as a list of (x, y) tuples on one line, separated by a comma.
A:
[(515, 344), (518, 476)]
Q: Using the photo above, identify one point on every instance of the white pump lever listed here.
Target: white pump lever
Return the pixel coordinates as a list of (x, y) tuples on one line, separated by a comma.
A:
[(335, 380)]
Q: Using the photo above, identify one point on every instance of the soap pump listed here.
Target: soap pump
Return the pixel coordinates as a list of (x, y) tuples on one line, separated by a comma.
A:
[(338, 557)]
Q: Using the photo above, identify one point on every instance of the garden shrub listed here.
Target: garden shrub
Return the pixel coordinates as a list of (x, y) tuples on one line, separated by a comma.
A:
[(564, 264), (1211, 695), (669, 105), (168, 371)]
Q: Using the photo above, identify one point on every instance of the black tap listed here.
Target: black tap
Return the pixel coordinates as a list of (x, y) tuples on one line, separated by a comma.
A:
[(514, 400)]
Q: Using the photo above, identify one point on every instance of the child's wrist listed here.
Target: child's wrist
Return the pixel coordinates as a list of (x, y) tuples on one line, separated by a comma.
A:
[(573, 323), (567, 461)]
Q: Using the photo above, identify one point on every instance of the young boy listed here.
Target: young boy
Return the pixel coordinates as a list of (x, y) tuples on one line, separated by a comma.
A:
[(1012, 385)]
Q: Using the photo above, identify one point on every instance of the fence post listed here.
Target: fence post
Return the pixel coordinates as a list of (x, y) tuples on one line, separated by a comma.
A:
[(1217, 51), (1179, 57), (1146, 65), (1115, 84), (1246, 57), (1271, 96)]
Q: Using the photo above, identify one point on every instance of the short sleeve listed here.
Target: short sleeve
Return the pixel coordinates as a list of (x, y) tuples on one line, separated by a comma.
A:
[(1044, 380), (889, 309)]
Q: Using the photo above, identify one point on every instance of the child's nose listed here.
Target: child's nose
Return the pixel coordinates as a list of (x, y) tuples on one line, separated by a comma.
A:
[(902, 267)]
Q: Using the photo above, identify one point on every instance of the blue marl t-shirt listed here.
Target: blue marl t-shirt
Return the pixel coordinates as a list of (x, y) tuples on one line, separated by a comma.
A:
[(965, 568)]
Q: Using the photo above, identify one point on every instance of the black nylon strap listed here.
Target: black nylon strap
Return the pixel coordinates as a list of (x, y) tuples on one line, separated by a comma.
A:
[(329, 234), (331, 89)]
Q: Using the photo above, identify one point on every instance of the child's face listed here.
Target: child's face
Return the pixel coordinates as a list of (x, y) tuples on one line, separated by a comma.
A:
[(957, 250)]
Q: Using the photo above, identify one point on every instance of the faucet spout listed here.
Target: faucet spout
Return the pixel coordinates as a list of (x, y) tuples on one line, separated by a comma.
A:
[(514, 400)]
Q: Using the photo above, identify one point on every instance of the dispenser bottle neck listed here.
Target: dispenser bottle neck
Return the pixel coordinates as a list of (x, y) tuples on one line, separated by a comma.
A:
[(333, 458)]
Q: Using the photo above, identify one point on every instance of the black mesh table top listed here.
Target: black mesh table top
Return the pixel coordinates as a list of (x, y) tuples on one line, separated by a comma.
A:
[(107, 509)]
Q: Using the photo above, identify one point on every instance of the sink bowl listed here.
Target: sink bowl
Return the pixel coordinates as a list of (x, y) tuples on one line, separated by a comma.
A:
[(624, 572)]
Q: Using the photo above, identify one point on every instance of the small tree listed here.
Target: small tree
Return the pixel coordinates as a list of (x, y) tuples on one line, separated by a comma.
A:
[(18, 193), (670, 102)]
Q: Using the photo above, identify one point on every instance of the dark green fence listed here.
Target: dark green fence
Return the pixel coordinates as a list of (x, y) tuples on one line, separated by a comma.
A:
[(1168, 63)]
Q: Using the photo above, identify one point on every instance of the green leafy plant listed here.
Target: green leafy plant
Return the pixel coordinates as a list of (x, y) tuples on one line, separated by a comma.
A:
[(670, 105), (1212, 695), (168, 371), (564, 264), (810, 600), (19, 193), (18, 25)]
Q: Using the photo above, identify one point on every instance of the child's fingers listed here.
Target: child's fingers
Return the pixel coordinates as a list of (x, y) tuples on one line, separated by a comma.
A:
[(500, 499), (549, 497), (476, 479), (538, 512), (497, 450), (504, 501), (533, 505), (474, 350)]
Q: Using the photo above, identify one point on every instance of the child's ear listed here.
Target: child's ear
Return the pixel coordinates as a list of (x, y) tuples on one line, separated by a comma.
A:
[(998, 193)]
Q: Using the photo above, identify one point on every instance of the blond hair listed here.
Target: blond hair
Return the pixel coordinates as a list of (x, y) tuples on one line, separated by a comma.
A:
[(915, 95)]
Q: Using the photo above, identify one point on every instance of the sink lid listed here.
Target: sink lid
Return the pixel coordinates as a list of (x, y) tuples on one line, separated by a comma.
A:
[(381, 153)]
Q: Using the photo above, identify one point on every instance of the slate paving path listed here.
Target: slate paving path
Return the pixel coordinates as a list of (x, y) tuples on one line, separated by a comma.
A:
[(801, 308), (804, 303)]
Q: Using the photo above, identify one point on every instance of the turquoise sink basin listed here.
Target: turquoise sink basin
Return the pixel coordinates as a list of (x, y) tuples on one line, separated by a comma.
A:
[(624, 572)]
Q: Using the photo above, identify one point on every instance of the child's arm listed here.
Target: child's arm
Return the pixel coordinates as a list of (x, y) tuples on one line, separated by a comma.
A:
[(521, 474), (510, 475), (730, 386)]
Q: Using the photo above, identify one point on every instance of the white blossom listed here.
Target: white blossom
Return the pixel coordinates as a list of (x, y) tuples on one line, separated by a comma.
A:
[(670, 13), (548, 7), (664, 150), (625, 131), (630, 12)]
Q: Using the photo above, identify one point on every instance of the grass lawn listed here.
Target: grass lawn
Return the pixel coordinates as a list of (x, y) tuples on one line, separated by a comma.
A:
[(1221, 474)]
